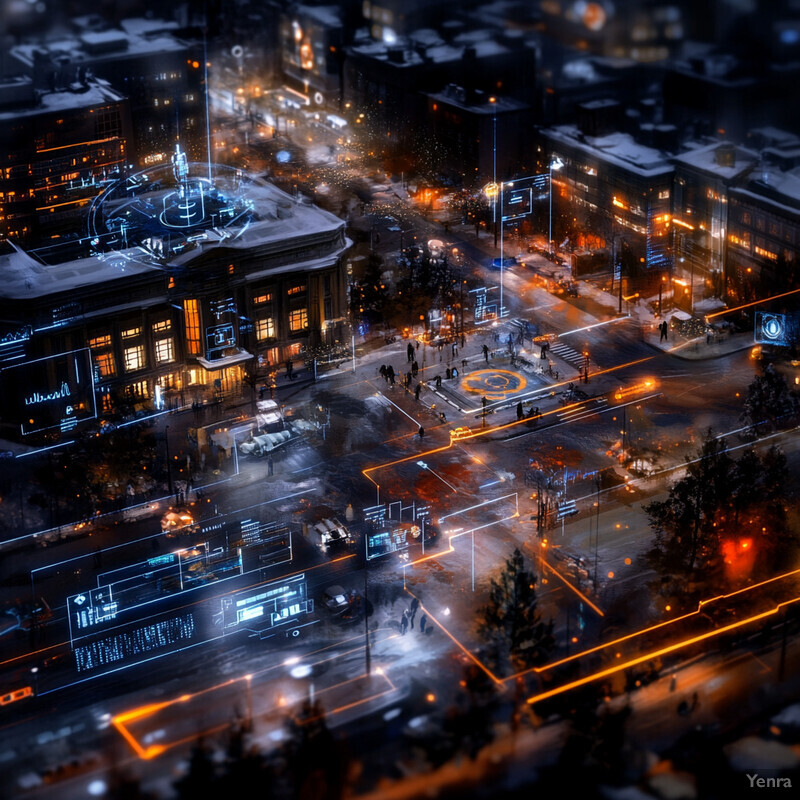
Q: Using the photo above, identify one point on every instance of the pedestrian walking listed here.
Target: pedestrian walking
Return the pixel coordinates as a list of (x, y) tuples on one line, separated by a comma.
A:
[(421, 432), (404, 623), (408, 380), (520, 412), (417, 390), (463, 341), (664, 330), (414, 368), (423, 621), (410, 351), (382, 371), (486, 353), (417, 344), (413, 608), (455, 349)]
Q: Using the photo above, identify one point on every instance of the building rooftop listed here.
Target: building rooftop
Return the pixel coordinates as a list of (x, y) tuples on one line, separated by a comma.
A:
[(620, 149), (111, 43), (704, 158), (778, 188), (267, 218), (95, 92)]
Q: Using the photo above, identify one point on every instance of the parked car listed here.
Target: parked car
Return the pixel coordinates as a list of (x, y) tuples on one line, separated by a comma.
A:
[(335, 599), (328, 534)]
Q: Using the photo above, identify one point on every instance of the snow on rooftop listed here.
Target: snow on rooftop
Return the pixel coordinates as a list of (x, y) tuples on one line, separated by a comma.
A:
[(775, 186), (23, 276), (325, 15), (142, 26), (705, 158), (73, 47), (616, 148), (96, 93)]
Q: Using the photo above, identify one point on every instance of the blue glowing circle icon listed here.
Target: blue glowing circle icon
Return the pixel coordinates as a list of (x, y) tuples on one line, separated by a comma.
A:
[(773, 327), (283, 156)]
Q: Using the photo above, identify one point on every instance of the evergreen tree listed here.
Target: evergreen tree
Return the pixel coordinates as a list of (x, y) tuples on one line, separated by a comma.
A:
[(510, 622), (768, 399)]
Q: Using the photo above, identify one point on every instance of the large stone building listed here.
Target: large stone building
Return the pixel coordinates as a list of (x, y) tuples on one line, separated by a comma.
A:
[(183, 283)]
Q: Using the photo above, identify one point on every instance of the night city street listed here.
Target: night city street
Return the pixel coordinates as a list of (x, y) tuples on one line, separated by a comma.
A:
[(399, 400)]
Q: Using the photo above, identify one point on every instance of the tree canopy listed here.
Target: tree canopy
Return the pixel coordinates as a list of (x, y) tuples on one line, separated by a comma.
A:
[(723, 523), (510, 623)]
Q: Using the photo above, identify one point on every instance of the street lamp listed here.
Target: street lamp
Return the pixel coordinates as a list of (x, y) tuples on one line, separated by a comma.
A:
[(586, 366), (555, 164)]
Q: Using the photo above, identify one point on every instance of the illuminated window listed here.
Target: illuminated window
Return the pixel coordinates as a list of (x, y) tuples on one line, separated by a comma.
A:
[(164, 351), (293, 349), (663, 194), (296, 289), (138, 389), (134, 358), (760, 251), (192, 316), (100, 341), (105, 364), (746, 219), (298, 320), (163, 326), (262, 298), (130, 333), (265, 328)]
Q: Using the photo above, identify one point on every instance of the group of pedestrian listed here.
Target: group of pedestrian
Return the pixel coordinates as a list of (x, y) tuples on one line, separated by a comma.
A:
[(663, 329), (407, 619), (387, 373)]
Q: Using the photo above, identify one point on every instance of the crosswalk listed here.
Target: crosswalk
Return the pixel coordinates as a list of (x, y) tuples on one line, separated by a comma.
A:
[(566, 353)]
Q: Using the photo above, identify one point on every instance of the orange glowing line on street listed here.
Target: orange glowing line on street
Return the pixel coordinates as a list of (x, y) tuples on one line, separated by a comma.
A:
[(672, 621), (574, 589), (467, 653), (749, 588), (657, 653), (754, 303), (120, 720)]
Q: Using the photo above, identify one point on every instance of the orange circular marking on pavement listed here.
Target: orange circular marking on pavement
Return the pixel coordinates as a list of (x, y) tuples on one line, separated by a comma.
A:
[(494, 384)]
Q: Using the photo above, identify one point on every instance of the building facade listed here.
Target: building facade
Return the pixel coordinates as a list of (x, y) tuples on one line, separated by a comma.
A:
[(225, 280), (57, 149)]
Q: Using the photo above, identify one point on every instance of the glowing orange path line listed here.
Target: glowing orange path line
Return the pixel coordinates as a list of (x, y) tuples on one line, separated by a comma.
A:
[(120, 721), (574, 589), (754, 303), (656, 653)]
